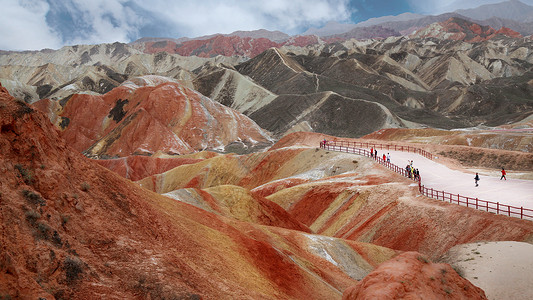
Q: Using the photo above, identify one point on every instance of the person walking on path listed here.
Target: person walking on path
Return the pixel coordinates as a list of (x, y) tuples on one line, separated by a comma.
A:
[(476, 179), (503, 174)]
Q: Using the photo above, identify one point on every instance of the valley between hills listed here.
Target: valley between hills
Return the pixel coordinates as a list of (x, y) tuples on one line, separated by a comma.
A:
[(131, 173)]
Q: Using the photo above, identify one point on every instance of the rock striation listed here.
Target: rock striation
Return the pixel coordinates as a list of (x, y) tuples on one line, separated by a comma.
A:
[(147, 115), (412, 276), (72, 229)]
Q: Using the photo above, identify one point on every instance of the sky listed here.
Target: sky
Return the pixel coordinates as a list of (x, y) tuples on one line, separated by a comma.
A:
[(39, 24)]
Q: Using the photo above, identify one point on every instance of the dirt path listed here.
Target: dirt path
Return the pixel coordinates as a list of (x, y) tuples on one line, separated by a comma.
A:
[(515, 192)]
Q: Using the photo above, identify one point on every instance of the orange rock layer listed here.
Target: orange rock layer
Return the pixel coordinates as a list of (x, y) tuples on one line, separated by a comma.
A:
[(133, 119), (71, 229), (412, 276)]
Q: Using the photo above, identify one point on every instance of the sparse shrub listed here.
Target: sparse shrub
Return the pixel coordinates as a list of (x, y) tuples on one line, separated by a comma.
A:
[(5, 297), (85, 187), (477, 252), (459, 271), (26, 174), (33, 198), (32, 216), (64, 219), (43, 167), (56, 239), (43, 231), (73, 267), (22, 110), (447, 290), (75, 196), (422, 259)]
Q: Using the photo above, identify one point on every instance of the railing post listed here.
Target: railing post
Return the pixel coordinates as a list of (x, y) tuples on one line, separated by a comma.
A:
[(521, 212), (498, 208), (476, 203), (466, 200)]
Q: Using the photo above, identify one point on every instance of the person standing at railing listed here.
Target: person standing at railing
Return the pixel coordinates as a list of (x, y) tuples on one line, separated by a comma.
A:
[(375, 153), (372, 152), (476, 179), (503, 174), (388, 157), (384, 157)]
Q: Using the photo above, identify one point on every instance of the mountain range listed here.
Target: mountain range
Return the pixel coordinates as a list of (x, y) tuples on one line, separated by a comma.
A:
[(292, 222), (179, 168), (447, 75)]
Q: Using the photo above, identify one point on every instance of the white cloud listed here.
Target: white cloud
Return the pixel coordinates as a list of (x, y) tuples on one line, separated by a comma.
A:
[(23, 26), (103, 21), (211, 16)]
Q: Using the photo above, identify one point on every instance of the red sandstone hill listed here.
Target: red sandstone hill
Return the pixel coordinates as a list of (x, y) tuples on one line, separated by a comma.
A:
[(150, 114), (340, 195), (462, 30), (413, 276), (226, 45), (73, 230)]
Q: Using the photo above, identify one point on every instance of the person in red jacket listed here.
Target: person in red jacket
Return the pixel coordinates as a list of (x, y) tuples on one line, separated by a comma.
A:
[(503, 174)]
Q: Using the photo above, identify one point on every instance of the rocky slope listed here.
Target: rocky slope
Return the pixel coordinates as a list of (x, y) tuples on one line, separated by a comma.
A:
[(340, 195), (413, 276), (77, 229), (72, 229), (447, 85), (150, 114)]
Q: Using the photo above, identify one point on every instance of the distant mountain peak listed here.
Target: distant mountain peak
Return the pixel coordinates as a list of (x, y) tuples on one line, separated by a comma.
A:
[(512, 10)]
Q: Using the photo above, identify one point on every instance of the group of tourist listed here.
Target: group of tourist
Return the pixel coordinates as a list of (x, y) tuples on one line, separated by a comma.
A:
[(374, 154), (411, 171)]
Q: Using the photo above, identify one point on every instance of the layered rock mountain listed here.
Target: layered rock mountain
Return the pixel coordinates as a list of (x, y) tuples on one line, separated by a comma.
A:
[(150, 114), (73, 229), (437, 83), (93, 69), (291, 222), (403, 82)]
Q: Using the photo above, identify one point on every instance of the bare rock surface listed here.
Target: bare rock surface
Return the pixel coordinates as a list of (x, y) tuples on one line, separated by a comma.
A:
[(413, 276)]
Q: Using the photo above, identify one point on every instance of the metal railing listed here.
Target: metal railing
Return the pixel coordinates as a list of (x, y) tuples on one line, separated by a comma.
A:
[(489, 206), (378, 146)]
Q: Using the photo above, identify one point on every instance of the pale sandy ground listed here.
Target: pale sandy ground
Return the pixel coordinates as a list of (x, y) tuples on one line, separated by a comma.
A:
[(504, 270), (514, 192)]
